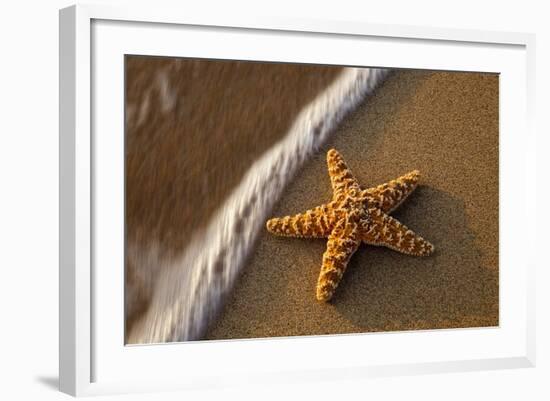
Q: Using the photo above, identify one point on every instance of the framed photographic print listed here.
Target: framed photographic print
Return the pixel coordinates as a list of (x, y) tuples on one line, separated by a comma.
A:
[(272, 200)]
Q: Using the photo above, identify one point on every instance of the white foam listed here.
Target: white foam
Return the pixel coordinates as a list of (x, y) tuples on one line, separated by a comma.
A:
[(166, 93), (191, 289)]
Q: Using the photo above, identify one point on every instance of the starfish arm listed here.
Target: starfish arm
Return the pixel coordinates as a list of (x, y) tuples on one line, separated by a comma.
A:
[(314, 223), (342, 244), (341, 176), (390, 195), (384, 230)]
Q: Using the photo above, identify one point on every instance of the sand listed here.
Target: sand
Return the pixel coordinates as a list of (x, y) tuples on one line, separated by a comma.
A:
[(193, 128), (445, 125)]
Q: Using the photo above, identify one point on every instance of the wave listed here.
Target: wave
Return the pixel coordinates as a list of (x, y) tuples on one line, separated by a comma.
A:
[(192, 288)]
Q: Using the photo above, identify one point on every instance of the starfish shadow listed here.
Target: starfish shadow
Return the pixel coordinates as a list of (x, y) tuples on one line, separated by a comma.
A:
[(383, 290)]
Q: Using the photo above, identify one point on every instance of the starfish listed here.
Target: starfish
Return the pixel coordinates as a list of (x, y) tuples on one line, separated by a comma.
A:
[(354, 215)]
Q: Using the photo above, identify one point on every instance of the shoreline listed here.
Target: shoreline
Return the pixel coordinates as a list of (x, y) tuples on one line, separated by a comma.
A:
[(193, 285)]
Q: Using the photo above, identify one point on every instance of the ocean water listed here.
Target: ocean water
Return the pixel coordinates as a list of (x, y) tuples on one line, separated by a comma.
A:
[(190, 286)]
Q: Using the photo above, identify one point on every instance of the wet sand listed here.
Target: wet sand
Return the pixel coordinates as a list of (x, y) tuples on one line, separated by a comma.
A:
[(445, 125), (193, 128)]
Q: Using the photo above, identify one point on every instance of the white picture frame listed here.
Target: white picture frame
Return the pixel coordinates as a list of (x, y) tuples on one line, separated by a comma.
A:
[(78, 367)]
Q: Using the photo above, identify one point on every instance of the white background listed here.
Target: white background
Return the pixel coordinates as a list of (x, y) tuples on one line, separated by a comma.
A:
[(29, 199)]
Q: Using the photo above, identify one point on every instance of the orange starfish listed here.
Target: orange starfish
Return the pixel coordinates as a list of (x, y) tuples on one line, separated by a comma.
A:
[(353, 215)]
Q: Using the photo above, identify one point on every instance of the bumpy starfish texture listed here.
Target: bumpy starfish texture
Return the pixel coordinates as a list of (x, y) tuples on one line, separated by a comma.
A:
[(353, 216)]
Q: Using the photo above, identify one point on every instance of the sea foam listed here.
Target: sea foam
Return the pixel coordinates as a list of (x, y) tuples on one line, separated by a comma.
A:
[(192, 288)]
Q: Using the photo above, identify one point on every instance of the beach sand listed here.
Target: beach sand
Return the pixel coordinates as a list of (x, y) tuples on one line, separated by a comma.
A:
[(445, 125), (193, 128)]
